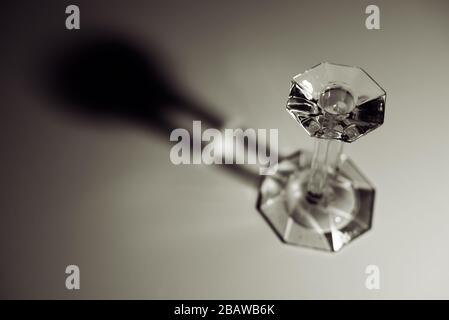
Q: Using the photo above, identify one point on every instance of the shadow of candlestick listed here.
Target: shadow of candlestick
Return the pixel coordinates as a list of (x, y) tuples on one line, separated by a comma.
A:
[(107, 78)]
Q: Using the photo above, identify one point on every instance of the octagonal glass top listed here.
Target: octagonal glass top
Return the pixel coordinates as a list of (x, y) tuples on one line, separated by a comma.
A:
[(335, 101)]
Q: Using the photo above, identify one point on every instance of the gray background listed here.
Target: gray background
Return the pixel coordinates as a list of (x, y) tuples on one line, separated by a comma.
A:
[(107, 198)]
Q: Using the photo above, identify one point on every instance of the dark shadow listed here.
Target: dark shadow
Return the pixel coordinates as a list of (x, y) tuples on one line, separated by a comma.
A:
[(108, 78)]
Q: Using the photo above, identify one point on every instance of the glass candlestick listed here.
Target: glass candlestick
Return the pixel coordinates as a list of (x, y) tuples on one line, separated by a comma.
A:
[(320, 199)]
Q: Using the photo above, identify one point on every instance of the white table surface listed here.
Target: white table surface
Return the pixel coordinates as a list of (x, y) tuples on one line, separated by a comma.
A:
[(107, 198)]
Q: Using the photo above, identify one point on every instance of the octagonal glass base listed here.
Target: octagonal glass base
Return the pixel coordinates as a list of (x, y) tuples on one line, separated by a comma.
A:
[(342, 213)]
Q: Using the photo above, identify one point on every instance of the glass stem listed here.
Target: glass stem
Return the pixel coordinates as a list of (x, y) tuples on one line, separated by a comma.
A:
[(325, 161)]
